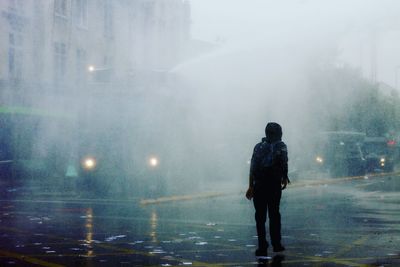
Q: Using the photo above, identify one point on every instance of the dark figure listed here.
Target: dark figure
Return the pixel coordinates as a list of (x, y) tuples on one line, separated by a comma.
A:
[(268, 177)]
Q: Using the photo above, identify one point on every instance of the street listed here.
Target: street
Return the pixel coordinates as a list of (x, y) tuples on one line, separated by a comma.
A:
[(326, 222)]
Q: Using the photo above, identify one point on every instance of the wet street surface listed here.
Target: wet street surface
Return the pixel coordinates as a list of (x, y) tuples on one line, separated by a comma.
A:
[(326, 222)]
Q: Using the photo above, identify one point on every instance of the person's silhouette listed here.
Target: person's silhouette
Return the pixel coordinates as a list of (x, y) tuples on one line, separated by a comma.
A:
[(268, 177)]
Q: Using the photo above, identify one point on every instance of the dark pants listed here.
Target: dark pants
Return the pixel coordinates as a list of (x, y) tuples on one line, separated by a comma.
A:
[(266, 201)]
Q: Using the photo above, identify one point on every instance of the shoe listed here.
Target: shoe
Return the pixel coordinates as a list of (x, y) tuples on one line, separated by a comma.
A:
[(261, 252), (279, 248)]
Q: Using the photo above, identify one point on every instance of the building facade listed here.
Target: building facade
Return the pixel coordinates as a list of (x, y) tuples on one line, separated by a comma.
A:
[(81, 77), (58, 46)]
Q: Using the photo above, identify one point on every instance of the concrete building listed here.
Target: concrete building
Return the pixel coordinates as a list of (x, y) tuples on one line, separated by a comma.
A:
[(58, 46)]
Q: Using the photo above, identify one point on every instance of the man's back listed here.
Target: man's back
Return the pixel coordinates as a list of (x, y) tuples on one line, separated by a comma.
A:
[(269, 162)]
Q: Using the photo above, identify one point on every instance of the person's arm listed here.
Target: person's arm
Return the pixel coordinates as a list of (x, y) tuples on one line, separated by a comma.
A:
[(284, 164), (250, 190)]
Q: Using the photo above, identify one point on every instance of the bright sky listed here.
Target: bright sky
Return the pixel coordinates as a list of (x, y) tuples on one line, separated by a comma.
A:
[(305, 22), (235, 19)]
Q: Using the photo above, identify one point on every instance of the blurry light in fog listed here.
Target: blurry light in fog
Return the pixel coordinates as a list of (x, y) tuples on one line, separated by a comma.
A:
[(391, 142), (319, 159), (153, 161), (89, 163), (91, 68)]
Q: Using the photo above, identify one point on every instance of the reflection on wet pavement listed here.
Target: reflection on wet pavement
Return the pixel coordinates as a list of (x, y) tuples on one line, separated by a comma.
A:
[(324, 225)]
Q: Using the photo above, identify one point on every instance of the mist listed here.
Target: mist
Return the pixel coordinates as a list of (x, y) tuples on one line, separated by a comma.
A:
[(286, 62), (127, 129), (178, 105)]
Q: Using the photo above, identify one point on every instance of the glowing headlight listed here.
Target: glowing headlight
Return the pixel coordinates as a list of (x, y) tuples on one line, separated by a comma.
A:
[(382, 160), (319, 159), (153, 162), (89, 163)]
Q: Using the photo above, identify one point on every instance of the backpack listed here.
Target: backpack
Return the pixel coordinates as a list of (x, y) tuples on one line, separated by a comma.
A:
[(268, 157)]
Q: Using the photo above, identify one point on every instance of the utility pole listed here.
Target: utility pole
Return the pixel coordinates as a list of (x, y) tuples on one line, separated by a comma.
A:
[(396, 77), (374, 56)]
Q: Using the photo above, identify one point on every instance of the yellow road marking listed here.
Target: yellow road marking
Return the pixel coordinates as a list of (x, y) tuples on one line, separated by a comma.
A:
[(28, 259), (344, 179), (181, 198), (349, 247), (337, 180)]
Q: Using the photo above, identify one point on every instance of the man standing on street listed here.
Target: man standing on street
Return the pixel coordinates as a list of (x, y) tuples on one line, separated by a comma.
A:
[(268, 177)]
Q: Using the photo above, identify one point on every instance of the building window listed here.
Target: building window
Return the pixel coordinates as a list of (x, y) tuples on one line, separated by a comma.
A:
[(108, 19), (80, 65), (60, 59), (14, 63), (81, 13), (60, 8), (15, 6), (15, 42)]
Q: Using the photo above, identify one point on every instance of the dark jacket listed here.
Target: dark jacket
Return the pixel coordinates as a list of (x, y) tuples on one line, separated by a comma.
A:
[(279, 170)]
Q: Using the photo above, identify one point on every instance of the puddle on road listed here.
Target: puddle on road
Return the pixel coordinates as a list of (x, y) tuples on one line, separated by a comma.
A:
[(112, 238), (158, 251), (136, 242)]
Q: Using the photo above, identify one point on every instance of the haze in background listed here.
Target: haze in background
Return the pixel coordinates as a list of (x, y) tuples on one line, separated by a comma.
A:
[(268, 55), (354, 27)]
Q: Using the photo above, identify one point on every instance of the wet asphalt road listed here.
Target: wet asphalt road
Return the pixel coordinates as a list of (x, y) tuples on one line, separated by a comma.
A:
[(326, 222)]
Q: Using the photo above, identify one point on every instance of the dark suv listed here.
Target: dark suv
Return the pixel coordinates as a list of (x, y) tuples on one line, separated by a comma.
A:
[(379, 154), (340, 153)]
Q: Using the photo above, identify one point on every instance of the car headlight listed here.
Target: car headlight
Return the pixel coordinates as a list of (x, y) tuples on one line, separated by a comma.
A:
[(89, 163), (319, 160), (153, 162)]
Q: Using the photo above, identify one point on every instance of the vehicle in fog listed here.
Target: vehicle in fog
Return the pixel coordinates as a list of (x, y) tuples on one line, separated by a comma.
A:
[(380, 154), (339, 153), (50, 148), (34, 143)]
